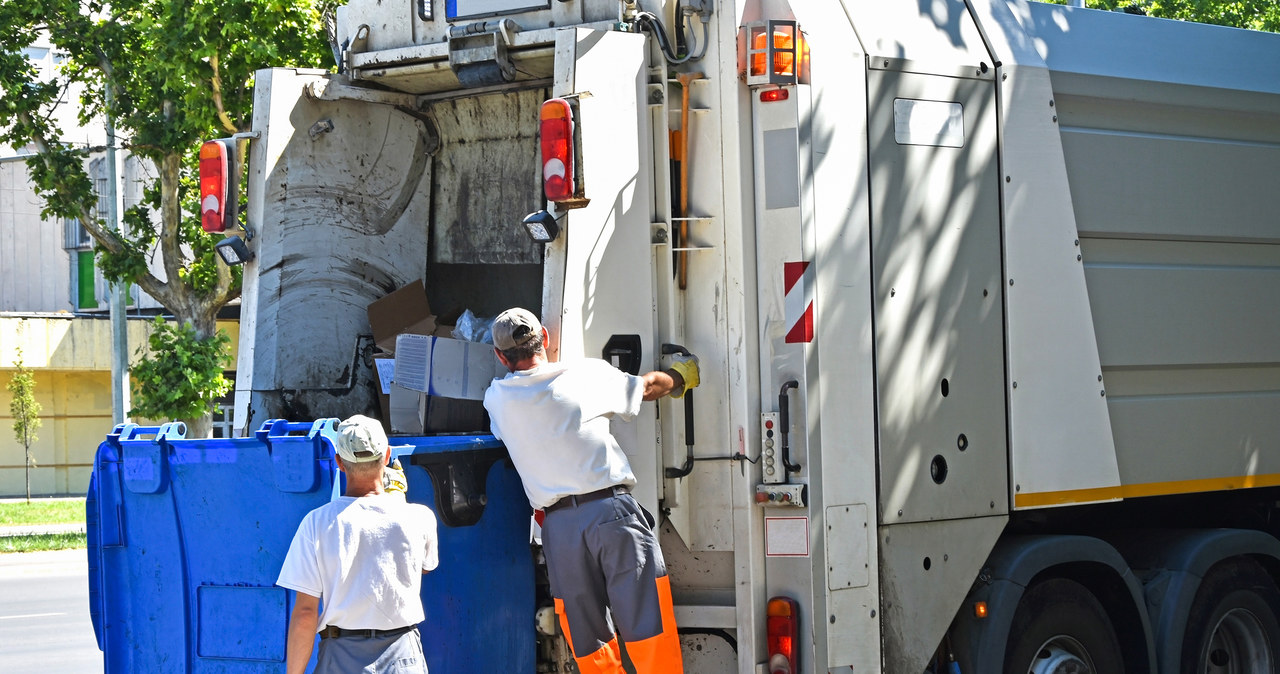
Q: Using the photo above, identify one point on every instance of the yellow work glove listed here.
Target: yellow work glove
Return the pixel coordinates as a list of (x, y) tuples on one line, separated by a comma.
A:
[(687, 367), (393, 478)]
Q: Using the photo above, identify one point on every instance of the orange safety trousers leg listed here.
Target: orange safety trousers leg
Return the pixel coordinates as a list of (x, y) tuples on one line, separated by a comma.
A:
[(659, 654), (606, 660)]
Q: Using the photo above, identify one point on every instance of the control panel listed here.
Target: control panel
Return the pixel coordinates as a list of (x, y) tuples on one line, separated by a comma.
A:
[(780, 495), (772, 468)]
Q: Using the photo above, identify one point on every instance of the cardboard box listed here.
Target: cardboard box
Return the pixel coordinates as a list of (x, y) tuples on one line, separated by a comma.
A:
[(446, 368), (437, 384), (404, 311), (406, 411), (414, 413)]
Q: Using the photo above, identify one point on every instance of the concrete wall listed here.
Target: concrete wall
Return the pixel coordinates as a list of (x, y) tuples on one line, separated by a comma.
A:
[(71, 359)]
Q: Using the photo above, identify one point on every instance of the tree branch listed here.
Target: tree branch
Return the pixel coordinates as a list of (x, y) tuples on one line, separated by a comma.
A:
[(107, 239), (170, 214), (217, 96)]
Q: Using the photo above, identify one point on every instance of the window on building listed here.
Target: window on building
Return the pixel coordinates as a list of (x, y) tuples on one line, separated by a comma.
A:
[(100, 186), (224, 413), (75, 236)]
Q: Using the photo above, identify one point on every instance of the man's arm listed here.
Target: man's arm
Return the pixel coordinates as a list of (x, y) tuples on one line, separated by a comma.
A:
[(302, 632), (661, 382), (682, 375)]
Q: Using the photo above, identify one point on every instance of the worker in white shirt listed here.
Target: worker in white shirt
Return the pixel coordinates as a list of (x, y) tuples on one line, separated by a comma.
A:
[(602, 554), (364, 554)]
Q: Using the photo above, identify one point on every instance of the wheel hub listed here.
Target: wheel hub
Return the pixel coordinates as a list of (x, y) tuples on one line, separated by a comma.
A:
[(1062, 655), (1239, 645)]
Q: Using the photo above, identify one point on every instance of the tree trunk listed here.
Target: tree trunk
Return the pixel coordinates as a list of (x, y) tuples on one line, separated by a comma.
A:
[(199, 427), (27, 448)]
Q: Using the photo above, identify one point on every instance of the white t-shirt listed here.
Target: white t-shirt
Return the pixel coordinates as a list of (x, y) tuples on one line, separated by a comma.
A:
[(364, 557), (554, 419)]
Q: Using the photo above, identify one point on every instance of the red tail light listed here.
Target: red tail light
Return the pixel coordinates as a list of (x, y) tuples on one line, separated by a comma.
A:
[(556, 128), (783, 626), (217, 174)]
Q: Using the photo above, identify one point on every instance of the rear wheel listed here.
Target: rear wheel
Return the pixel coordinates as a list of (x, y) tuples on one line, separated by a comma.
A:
[(1232, 627), (1061, 628)]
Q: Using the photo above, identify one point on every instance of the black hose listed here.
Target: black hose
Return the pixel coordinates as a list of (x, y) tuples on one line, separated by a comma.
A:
[(784, 417)]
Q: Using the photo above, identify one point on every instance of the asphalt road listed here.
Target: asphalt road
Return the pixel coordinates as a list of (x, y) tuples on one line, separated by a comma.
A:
[(44, 614)]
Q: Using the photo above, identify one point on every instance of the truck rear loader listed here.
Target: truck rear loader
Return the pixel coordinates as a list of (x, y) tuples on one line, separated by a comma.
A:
[(986, 296)]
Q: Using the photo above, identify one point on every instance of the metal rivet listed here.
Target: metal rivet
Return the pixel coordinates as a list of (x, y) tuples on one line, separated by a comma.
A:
[(873, 613), (1017, 487), (1104, 393), (1015, 384), (1008, 179), (1010, 281)]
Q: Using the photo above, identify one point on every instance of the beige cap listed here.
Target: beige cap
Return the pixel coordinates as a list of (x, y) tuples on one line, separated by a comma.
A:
[(361, 439), (515, 327)]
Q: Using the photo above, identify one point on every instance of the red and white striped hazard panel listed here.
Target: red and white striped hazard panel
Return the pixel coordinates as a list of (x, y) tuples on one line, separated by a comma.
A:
[(798, 283)]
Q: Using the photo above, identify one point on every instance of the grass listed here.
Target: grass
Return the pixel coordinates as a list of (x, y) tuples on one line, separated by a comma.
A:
[(42, 511), (42, 543)]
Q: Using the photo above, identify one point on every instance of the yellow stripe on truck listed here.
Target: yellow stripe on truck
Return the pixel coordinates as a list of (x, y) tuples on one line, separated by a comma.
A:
[(1075, 496)]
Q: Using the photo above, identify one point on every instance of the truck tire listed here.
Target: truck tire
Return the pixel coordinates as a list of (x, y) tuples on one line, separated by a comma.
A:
[(1232, 625), (1060, 627)]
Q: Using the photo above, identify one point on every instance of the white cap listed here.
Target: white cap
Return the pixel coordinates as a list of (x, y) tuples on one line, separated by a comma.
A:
[(361, 439)]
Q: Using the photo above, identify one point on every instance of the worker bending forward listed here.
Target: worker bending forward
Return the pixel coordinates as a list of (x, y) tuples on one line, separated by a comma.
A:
[(601, 551), (364, 554)]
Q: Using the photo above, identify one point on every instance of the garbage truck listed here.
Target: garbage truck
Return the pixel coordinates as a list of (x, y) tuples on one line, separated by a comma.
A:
[(986, 296)]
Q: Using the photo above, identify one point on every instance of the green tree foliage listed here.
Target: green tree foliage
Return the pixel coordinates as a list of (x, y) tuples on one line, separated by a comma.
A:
[(25, 412), (1251, 14), (188, 380), (169, 73)]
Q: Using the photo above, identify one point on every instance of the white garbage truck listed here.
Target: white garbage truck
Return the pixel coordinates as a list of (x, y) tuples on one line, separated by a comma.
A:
[(986, 295)]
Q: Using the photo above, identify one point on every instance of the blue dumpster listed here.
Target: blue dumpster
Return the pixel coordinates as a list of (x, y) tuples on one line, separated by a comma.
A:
[(187, 536)]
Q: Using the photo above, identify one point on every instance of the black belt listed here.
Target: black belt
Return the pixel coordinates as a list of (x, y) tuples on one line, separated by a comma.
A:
[(578, 499), (332, 632)]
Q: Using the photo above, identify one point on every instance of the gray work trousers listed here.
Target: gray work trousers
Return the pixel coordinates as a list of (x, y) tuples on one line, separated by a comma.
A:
[(603, 558), (399, 654)]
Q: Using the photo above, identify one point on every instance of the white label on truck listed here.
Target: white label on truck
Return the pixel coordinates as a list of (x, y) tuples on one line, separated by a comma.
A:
[(936, 123), (467, 8), (786, 536)]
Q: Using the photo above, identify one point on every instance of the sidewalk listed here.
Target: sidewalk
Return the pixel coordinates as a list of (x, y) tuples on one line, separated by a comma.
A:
[(42, 529)]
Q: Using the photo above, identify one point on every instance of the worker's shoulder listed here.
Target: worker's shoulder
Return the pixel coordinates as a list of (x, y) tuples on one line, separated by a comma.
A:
[(420, 509)]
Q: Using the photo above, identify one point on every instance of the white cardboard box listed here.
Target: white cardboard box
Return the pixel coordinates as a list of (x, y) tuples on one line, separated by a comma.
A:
[(447, 368)]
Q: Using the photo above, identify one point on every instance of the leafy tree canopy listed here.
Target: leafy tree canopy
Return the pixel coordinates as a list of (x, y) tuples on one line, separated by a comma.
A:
[(169, 74), (1251, 14)]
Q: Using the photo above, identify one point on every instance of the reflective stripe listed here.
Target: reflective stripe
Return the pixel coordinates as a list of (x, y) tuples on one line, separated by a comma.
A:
[(659, 654), (606, 660)]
